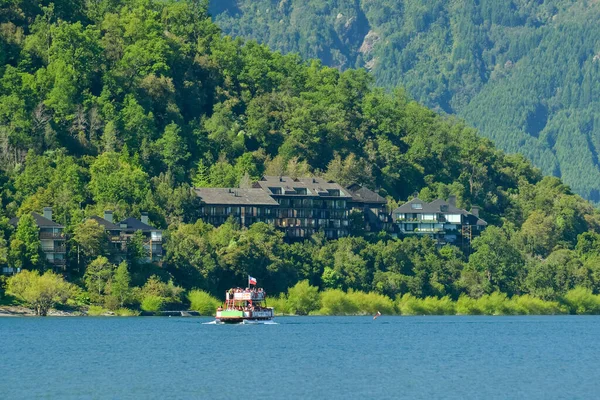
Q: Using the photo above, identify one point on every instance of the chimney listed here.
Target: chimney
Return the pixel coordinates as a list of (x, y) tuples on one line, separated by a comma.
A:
[(475, 211), (108, 215), (452, 201), (48, 213), (280, 178), (145, 218)]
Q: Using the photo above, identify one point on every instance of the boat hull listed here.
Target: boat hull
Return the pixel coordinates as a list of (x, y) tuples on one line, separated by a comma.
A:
[(238, 316)]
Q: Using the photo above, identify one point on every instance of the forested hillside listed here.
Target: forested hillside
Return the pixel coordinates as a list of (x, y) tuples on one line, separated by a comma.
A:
[(124, 105), (526, 73)]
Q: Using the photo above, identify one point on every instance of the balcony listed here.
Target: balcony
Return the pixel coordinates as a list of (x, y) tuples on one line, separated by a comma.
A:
[(58, 261), (52, 235), (54, 249)]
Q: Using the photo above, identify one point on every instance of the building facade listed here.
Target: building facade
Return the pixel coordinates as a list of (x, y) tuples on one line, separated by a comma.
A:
[(373, 208), (298, 207), (120, 234), (440, 219), (246, 206), (52, 240), (308, 205)]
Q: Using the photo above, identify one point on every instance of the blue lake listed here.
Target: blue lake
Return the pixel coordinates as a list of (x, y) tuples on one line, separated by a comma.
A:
[(301, 357)]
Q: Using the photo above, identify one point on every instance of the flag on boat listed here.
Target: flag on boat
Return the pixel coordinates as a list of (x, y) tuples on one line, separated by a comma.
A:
[(251, 280)]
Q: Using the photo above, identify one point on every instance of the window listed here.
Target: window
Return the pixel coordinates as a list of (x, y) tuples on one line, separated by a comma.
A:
[(416, 206), (275, 190), (453, 218), (300, 191), (334, 192)]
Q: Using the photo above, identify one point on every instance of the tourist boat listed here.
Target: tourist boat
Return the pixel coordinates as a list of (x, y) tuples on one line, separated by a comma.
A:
[(245, 306)]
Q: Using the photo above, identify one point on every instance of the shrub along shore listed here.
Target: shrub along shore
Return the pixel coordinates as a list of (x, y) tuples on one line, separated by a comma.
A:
[(51, 291)]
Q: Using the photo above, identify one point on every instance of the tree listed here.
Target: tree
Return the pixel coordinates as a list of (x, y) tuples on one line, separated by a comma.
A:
[(497, 259), (201, 179), (97, 276), (303, 298), (173, 148), (3, 250), (92, 239), (40, 292), (25, 247), (119, 286), (136, 252)]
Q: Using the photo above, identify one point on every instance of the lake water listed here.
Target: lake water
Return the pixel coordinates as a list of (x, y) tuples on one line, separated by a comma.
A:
[(301, 357)]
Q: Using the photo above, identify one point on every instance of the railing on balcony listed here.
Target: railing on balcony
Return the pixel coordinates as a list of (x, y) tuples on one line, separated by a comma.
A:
[(54, 249), (58, 261), (51, 235)]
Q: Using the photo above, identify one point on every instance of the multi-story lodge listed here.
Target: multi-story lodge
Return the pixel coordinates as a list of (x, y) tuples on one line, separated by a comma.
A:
[(299, 207), (372, 206), (52, 239), (152, 236), (308, 205), (120, 234), (247, 206), (439, 219)]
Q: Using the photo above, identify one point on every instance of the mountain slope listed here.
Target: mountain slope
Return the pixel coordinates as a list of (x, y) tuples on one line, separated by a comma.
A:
[(525, 73)]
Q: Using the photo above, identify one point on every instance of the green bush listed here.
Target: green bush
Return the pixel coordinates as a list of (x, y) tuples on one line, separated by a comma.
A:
[(370, 303), (303, 298), (280, 304), (152, 303), (582, 301), (494, 304), (529, 305), (336, 302), (410, 305), (203, 302), (466, 305), (94, 311), (126, 312), (438, 306)]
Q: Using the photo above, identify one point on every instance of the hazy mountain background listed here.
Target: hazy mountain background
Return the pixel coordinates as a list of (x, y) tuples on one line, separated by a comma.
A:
[(524, 72)]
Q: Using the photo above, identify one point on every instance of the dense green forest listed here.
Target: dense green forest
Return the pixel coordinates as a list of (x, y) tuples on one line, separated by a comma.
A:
[(124, 105), (526, 73)]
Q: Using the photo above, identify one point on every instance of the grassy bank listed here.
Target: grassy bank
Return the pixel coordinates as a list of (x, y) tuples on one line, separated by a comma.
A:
[(304, 299)]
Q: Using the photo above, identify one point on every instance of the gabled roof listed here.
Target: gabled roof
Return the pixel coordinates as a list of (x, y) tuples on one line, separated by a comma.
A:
[(407, 207), (238, 197), (316, 187), (40, 221), (134, 224), (109, 226), (436, 207), (361, 194)]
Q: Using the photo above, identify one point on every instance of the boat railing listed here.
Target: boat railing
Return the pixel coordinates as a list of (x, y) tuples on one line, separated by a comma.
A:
[(246, 295)]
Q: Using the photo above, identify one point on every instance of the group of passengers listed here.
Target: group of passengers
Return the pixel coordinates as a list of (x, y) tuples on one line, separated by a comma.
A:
[(247, 290)]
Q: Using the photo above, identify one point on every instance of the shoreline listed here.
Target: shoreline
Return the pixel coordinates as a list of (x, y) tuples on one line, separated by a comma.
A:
[(20, 311)]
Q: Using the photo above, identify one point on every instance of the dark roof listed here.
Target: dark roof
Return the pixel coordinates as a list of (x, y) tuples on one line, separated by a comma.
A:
[(407, 207), (109, 226), (361, 194), (134, 224), (429, 208), (40, 221), (238, 197), (315, 187), (436, 207)]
